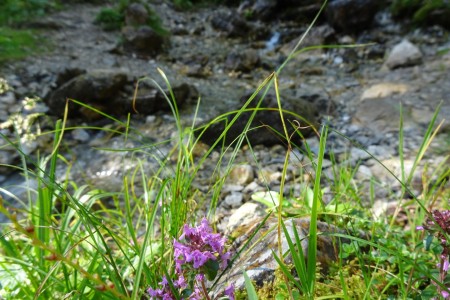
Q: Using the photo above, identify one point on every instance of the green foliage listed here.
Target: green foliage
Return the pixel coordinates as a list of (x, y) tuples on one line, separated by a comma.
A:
[(16, 44), (13, 11), (423, 12), (110, 19)]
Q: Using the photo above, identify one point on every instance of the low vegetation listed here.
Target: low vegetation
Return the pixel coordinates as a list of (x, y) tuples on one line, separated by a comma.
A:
[(70, 241)]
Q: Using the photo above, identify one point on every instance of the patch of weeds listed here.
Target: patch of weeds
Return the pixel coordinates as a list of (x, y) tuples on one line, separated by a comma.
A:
[(17, 44)]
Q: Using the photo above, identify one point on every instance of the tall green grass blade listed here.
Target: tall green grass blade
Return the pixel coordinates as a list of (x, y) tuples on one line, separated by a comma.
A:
[(312, 245), (251, 292)]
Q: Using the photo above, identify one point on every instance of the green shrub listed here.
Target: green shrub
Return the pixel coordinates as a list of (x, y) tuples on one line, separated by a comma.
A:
[(110, 19), (114, 18)]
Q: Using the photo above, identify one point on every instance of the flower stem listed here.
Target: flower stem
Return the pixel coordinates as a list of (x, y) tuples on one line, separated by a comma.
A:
[(205, 292)]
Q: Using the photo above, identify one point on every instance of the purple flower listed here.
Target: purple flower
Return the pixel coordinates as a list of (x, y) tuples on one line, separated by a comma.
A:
[(154, 293), (199, 258), (229, 291), (225, 258), (181, 282), (164, 282), (193, 253), (200, 277)]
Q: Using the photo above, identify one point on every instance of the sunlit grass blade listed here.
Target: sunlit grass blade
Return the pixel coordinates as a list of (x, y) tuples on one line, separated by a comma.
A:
[(250, 288)]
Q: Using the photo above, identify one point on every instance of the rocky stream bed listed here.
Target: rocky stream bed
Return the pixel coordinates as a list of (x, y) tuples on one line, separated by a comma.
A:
[(219, 56)]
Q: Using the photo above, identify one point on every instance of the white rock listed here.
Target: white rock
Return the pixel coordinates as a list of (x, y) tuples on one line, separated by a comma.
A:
[(403, 55), (246, 214)]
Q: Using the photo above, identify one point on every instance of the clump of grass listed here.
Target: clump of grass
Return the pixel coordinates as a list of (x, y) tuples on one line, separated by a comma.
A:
[(63, 240)]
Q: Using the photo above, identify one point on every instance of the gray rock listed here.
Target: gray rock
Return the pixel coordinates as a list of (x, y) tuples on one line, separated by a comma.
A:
[(8, 98), (136, 14), (68, 73), (242, 61), (81, 135), (266, 126), (143, 41), (404, 54), (233, 200), (318, 96), (382, 115), (7, 158), (231, 24), (261, 9), (241, 174), (150, 100)]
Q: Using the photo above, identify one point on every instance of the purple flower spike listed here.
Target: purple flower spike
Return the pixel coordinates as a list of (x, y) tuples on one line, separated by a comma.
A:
[(229, 291), (197, 252)]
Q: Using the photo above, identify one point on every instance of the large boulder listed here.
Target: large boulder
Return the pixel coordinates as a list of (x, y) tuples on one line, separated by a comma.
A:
[(266, 126), (111, 92), (352, 16), (268, 10), (98, 88), (150, 100), (235, 26)]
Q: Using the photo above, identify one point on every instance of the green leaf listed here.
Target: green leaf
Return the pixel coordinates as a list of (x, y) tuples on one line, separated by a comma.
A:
[(251, 292), (270, 199), (210, 268)]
